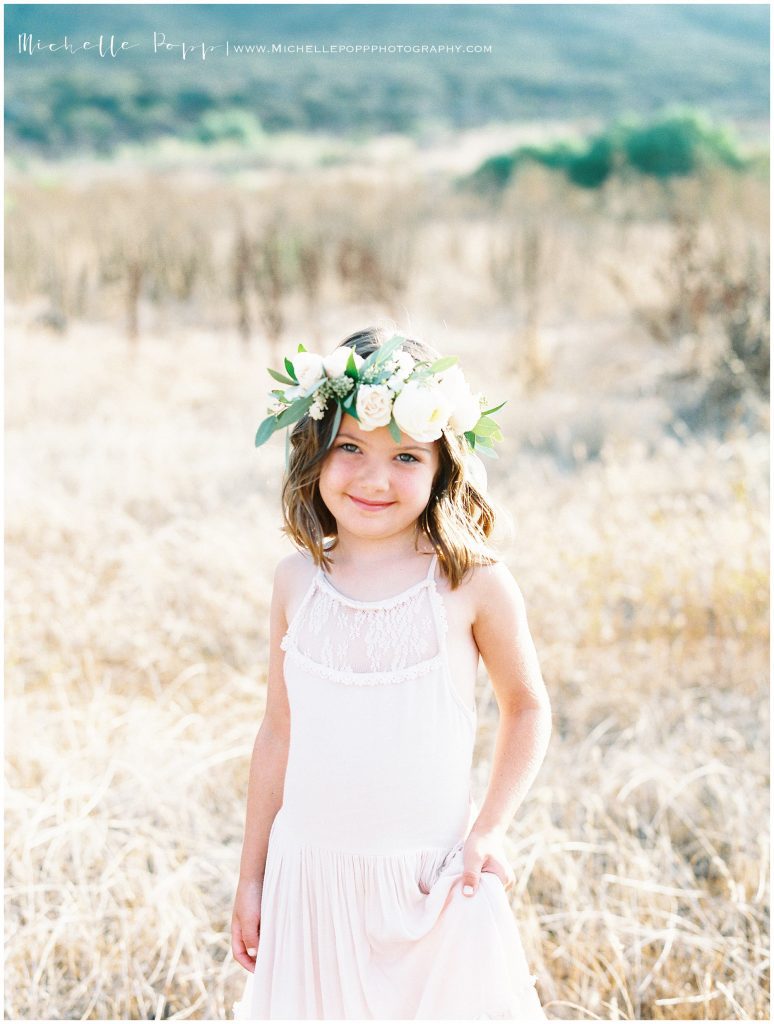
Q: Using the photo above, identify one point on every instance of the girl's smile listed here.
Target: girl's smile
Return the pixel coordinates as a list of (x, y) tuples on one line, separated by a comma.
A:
[(373, 486), (370, 506)]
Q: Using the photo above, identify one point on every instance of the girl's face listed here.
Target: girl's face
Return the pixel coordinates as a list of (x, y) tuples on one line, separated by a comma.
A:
[(373, 486)]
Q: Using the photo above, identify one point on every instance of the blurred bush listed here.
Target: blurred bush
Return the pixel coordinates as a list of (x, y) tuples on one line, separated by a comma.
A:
[(230, 125), (676, 144)]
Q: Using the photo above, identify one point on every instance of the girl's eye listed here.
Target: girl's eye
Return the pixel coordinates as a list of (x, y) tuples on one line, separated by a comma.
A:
[(346, 445)]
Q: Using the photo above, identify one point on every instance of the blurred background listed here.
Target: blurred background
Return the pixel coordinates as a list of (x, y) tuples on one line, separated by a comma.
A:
[(575, 202)]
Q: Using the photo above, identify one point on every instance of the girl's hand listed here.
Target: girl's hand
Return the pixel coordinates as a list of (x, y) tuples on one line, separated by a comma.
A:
[(484, 851), (246, 922)]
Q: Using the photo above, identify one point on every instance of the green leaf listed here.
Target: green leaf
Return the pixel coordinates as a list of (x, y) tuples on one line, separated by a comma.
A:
[(351, 369), (486, 427), (470, 435), (486, 412), (265, 430), (394, 430), (367, 363), (443, 364), (301, 347), (291, 371), (388, 348), (380, 354), (294, 412), (335, 425), (484, 449), (347, 402), (280, 377)]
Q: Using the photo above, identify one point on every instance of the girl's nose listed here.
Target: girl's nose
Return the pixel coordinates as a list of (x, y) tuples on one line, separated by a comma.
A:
[(375, 478)]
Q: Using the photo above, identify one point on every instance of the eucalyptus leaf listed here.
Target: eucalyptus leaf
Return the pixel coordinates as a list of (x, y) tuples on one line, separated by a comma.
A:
[(294, 412), (443, 364), (394, 430), (368, 362), (280, 377), (335, 425), (265, 430), (389, 347), (380, 354)]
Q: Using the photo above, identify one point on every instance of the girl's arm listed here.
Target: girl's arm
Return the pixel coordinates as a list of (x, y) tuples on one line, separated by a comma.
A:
[(265, 786), (503, 638)]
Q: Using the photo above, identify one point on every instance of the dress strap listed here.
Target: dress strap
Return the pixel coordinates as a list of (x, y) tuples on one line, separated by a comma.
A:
[(431, 570)]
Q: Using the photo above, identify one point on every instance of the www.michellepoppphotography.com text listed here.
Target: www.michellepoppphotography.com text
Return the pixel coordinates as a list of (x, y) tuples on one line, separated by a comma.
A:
[(159, 44)]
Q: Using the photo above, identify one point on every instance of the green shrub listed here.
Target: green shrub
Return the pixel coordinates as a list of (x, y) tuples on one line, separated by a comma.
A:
[(231, 124), (677, 143)]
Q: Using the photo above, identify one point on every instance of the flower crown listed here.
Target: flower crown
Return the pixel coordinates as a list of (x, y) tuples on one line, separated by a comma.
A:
[(387, 389)]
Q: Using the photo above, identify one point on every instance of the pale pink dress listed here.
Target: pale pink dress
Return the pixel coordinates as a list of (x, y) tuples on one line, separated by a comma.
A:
[(362, 911)]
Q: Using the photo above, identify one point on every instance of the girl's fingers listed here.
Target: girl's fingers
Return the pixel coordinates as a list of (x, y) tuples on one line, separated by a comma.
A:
[(505, 874), (243, 952)]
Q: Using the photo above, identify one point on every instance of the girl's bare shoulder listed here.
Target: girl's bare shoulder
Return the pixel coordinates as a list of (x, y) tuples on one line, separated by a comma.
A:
[(486, 586), (292, 577)]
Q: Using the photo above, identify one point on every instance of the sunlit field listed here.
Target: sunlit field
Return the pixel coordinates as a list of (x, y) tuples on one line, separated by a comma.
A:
[(626, 328)]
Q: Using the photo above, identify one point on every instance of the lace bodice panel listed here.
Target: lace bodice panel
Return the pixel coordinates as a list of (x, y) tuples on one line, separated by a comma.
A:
[(376, 640)]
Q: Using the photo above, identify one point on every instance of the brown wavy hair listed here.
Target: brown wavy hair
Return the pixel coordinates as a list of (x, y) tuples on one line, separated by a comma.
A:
[(457, 518)]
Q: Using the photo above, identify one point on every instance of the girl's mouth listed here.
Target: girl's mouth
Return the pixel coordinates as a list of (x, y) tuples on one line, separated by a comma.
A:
[(372, 506)]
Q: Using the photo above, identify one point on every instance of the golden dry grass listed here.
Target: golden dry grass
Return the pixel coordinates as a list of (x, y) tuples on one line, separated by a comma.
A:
[(142, 531)]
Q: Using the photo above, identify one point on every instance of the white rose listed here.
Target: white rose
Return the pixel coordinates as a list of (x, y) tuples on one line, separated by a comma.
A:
[(422, 412), (466, 410), (374, 406), (466, 413), (336, 363), (308, 367)]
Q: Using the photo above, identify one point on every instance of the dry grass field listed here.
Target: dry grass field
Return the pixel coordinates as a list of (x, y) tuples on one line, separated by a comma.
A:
[(142, 531)]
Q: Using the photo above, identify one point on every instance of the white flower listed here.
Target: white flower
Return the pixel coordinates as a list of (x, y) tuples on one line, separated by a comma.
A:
[(317, 409), (401, 364), (466, 410), (336, 363), (374, 406), (466, 414), (308, 367), (406, 363), (421, 411)]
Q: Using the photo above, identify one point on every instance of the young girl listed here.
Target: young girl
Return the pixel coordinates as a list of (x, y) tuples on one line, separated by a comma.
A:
[(371, 886)]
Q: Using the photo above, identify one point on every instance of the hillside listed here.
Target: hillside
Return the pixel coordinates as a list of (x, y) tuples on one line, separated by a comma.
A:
[(546, 61)]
